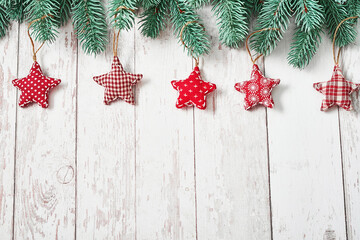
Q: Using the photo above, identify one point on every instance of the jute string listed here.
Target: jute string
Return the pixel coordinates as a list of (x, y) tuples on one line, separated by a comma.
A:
[(336, 59), (247, 42), (31, 40), (116, 35)]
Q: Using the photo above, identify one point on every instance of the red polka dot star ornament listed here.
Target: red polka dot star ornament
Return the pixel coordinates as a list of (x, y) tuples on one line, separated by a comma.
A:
[(193, 90), (118, 84), (35, 87), (337, 90), (258, 89)]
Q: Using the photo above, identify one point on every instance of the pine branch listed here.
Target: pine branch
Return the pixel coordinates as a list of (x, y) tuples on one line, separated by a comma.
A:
[(253, 6), (334, 14), (304, 47), (148, 3), (44, 29), (309, 14), (65, 10), (274, 14), (309, 20), (153, 19), (90, 25), (232, 21), (16, 10), (197, 3), (4, 21), (353, 8), (5, 3), (194, 35), (122, 18)]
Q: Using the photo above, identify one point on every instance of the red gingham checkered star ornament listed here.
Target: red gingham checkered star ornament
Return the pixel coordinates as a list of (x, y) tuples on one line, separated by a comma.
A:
[(258, 89), (193, 90), (118, 83), (337, 91), (35, 87)]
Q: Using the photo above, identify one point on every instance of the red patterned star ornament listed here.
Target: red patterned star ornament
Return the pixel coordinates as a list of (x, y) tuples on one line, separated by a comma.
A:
[(118, 83), (258, 89), (337, 91), (35, 87), (193, 90)]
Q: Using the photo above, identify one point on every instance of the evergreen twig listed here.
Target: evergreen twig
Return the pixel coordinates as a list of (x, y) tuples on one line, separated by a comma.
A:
[(47, 11), (153, 19), (334, 14), (4, 21), (232, 19), (90, 25), (194, 35), (274, 14), (309, 20), (121, 13)]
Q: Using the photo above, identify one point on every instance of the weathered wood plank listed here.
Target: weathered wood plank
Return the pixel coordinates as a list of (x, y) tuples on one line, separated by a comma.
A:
[(231, 151), (106, 151), (304, 150), (45, 150), (165, 195), (8, 71), (350, 132)]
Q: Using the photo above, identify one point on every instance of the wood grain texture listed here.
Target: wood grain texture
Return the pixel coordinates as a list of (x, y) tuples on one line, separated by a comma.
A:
[(165, 194), (231, 151), (45, 203), (84, 170), (304, 150), (350, 132), (8, 71), (106, 151)]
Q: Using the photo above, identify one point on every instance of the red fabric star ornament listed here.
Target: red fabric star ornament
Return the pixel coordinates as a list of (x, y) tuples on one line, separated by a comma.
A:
[(337, 91), (35, 87), (193, 90), (257, 89), (118, 83)]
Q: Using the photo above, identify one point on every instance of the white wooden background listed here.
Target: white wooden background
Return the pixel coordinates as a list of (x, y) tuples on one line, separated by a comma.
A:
[(84, 170)]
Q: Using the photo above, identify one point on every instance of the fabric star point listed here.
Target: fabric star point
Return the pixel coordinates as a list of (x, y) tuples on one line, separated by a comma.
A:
[(193, 90), (257, 89), (337, 91), (35, 87), (118, 83)]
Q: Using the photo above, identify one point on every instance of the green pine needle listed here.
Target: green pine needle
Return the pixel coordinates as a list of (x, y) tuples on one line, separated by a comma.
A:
[(153, 19), (90, 25), (149, 3), (304, 47), (253, 6), (232, 19), (4, 21), (16, 10), (122, 18), (194, 35), (274, 14), (44, 29), (309, 14), (334, 14), (353, 8), (65, 10), (197, 3), (309, 20), (5, 3)]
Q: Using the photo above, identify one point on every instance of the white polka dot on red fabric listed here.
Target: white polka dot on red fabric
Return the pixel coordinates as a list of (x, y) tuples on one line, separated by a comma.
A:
[(31, 91)]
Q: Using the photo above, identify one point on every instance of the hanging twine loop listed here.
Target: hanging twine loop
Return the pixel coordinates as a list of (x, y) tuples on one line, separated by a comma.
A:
[(336, 59), (116, 35), (31, 40), (182, 41), (247, 42)]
